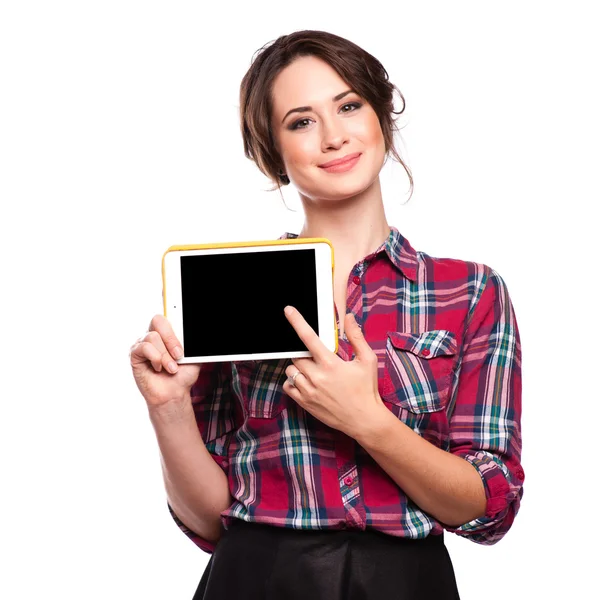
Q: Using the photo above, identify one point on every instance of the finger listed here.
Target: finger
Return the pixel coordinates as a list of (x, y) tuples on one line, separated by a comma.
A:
[(355, 335), (304, 365), (154, 338), (294, 391), (143, 352), (307, 334), (162, 326), (291, 391), (303, 381), (166, 359)]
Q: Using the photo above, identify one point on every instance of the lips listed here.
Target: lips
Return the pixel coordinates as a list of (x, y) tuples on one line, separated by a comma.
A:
[(340, 161)]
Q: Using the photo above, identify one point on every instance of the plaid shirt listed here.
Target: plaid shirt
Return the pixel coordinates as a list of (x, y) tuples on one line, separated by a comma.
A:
[(449, 352)]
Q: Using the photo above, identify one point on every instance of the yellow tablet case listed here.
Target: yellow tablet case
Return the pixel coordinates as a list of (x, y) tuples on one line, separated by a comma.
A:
[(247, 244)]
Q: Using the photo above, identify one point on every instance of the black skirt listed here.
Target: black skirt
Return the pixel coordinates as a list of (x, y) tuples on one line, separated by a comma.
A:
[(260, 562)]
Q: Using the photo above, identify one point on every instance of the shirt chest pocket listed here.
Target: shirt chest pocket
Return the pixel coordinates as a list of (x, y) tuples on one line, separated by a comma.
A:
[(418, 369)]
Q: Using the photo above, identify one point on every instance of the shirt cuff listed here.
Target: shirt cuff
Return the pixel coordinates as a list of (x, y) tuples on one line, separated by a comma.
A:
[(199, 541), (497, 492)]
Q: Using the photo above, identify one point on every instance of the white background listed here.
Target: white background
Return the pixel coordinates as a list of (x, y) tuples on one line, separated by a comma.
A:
[(119, 137)]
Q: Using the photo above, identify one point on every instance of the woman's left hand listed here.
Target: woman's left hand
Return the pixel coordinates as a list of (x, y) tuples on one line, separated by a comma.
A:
[(341, 394)]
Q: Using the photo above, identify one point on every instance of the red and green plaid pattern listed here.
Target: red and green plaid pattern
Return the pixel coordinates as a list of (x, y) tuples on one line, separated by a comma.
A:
[(446, 337)]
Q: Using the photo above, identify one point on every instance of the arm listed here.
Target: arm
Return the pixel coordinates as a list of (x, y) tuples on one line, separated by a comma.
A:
[(196, 486), (443, 485), (485, 427), (475, 488), (193, 438)]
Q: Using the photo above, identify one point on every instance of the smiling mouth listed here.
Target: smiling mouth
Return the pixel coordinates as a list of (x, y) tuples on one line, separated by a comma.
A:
[(340, 161), (347, 164)]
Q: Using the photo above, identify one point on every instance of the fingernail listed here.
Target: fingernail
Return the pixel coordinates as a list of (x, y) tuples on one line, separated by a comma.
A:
[(178, 352), (172, 367)]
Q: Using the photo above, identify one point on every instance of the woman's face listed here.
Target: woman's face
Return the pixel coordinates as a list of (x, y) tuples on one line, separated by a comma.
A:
[(323, 130)]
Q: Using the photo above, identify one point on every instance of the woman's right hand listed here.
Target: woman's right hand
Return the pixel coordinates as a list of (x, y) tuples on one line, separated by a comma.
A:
[(158, 377)]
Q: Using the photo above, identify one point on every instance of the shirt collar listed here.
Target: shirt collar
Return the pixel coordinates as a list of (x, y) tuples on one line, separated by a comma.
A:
[(397, 247)]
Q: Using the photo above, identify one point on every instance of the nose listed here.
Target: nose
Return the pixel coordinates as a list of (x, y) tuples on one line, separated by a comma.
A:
[(334, 134)]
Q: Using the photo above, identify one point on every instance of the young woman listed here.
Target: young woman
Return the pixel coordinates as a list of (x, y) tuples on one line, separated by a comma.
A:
[(335, 476)]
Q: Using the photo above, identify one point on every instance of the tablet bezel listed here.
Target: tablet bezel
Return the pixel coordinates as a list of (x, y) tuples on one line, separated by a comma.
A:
[(172, 305)]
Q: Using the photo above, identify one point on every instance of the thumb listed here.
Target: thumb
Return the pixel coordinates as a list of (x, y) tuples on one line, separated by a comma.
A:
[(356, 337)]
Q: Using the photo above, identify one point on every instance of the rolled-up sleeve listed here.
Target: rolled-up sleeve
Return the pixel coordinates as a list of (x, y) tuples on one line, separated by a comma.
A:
[(217, 417), (485, 426)]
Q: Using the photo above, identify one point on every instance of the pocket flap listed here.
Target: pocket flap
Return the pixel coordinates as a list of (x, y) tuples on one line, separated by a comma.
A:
[(429, 344)]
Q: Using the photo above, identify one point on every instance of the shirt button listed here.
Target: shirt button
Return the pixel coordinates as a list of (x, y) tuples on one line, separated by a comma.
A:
[(425, 352), (348, 480), (356, 279)]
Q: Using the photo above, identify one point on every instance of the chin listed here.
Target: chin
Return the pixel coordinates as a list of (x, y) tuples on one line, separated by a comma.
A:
[(327, 186), (349, 186), (334, 193)]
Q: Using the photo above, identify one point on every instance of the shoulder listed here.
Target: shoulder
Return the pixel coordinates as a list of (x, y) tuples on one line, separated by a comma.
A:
[(435, 268), (479, 282)]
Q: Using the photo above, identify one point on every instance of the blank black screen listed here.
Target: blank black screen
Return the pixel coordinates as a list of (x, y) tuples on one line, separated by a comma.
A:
[(233, 303)]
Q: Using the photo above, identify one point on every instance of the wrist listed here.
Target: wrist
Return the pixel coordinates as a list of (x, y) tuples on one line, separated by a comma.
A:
[(372, 429), (174, 412)]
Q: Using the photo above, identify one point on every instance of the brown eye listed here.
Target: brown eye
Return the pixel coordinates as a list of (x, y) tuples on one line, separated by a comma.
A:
[(296, 124), (354, 106)]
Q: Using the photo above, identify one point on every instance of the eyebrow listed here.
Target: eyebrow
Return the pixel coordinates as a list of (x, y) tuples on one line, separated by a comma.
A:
[(307, 108)]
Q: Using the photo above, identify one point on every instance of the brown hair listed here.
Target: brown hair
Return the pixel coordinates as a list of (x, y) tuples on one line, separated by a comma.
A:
[(359, 69)]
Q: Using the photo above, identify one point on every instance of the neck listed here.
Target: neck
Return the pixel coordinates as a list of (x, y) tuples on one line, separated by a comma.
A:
[(356, 226)]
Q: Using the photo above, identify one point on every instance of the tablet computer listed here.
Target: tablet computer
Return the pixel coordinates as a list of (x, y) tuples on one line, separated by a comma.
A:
[(225, 301)]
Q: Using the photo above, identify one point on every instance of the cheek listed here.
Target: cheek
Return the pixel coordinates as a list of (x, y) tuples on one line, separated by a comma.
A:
[(374, 140), (371, 131), (300, 150)]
